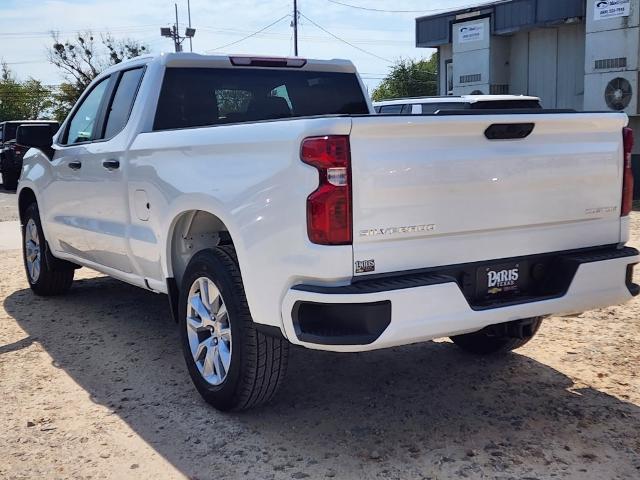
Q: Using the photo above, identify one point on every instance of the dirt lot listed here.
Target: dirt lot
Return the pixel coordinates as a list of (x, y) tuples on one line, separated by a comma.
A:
[(93, 385), (8, 210)]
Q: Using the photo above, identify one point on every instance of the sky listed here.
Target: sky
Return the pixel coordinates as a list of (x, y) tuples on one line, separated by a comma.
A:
[(377, 38)]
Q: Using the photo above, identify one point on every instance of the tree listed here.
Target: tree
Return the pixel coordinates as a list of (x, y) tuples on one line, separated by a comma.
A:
[(409, 78), (22, 100), (83, 58), (64, 99), (38, 99), (10, 95)]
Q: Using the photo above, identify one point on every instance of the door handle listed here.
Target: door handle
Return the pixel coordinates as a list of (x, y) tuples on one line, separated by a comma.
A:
[(111, 164), (75, 165)]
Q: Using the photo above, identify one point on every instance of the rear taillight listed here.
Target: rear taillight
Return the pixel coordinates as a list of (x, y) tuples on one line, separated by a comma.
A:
[(329, 206), (627, 175)]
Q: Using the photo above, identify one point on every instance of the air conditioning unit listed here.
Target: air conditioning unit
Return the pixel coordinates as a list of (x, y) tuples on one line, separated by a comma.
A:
[(612, 50), (474, 90), (471, 55), (612, 56), (612, 91)]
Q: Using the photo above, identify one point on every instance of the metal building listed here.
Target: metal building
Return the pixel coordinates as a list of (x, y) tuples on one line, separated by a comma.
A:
[(579, 54)]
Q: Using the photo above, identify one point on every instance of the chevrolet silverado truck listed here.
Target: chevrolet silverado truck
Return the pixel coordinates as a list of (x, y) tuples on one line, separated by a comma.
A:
[(274, 207)]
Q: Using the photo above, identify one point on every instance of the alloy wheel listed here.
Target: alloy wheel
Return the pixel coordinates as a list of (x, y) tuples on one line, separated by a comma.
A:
[(209, 331), (32, 250)]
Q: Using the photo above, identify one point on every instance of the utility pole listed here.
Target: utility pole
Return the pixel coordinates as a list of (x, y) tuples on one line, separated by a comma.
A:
[(174, 32), (295, 27), (189, 15)]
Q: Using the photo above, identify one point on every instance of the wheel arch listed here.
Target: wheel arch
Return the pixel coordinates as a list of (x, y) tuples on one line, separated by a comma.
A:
[(191, 231), (26, 197)]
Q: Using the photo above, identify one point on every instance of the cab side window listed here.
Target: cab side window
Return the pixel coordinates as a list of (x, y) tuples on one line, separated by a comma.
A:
[(84, 123), (123, 101)]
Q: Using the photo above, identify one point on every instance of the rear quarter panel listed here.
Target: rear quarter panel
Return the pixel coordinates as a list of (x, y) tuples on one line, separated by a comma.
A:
[(250, 176)]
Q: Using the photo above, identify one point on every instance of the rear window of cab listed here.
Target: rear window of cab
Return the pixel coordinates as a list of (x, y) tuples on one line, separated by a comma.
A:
[(195, 97)]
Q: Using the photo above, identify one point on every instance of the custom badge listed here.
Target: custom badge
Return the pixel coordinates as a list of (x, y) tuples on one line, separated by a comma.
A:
[(505, 280), (365, 266)]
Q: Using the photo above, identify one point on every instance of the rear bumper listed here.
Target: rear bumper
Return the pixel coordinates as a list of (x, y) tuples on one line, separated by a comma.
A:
[(410, 308)]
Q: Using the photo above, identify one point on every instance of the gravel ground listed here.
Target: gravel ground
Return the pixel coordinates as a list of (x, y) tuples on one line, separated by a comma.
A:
[(8, 208), (93, 385)]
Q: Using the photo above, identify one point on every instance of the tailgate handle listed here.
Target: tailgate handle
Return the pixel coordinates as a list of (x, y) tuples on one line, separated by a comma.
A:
[(509, 131)]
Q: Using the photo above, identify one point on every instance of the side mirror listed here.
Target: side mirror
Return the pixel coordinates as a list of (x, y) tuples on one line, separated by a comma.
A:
[(36, 136)]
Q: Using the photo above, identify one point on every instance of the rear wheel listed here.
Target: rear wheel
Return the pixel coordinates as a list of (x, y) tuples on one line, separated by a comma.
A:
[(500, 338), (233, 366), (47, 276)]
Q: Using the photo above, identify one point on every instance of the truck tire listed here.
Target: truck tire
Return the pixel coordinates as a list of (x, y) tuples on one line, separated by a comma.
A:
[(233, 365), (47, 276), (10, 180), (501, 338)]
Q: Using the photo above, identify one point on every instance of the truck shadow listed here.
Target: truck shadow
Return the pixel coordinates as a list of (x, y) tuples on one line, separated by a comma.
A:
[(396, 413)]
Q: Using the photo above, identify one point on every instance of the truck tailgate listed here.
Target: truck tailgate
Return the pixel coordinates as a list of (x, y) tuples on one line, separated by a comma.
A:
[(433, 190)]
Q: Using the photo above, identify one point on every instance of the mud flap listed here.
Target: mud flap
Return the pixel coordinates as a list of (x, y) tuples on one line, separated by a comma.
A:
[(174, 297)]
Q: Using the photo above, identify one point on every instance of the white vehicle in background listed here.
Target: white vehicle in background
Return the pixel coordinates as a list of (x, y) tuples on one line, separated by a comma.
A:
[(270, 204), (428, 105)]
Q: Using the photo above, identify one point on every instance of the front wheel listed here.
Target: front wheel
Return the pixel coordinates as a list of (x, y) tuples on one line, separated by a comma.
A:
[(47, 276), (233, 366), (500, 338)]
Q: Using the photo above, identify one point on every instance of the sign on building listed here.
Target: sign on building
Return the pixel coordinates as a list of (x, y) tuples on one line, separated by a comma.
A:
[(605, 9), (470, 32)]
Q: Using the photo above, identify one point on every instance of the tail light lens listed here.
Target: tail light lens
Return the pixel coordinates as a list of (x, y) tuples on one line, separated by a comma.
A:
[(329, 206), (627, 181), (15, 148)]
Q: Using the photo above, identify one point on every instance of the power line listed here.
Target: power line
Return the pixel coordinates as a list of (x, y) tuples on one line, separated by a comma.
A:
[(250, 35), (46, 61), (311, 38), (344, 41), (39, 34), (23, 62), (379, 10)]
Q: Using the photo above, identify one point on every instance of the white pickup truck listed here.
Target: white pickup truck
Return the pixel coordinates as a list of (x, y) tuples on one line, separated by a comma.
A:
[(270, 204), (421, 105)]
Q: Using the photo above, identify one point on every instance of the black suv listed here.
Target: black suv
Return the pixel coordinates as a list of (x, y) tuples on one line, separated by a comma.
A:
[(11, 153)]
